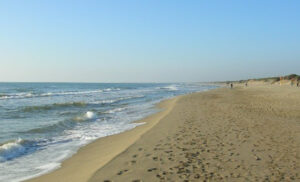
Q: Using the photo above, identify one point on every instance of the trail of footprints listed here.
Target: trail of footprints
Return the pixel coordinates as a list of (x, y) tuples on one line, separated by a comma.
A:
[(195, 154), (192, 157), (185, 156)]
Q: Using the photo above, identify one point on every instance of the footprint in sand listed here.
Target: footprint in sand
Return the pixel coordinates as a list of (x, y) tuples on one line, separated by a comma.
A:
[(121, 172), (152, 169)]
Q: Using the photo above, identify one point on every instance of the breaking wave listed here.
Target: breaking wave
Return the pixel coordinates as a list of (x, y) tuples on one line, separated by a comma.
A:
[(53, 106), (115, 110), (16, 96), (15, 148), (89, 115), (65, 124), (116, 100), (170, 88), (23, 95)]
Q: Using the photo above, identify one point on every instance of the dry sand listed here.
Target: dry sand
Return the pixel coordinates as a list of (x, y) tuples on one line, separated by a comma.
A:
[(240, 134)]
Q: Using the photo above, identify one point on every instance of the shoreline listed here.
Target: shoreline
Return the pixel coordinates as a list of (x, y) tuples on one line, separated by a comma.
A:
[(91, 157), (240, 134)]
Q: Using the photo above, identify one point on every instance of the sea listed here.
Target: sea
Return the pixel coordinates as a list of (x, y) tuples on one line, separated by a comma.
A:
[(42, 124)]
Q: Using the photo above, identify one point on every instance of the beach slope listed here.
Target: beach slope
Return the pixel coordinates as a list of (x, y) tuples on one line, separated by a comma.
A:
[(81, 166), (226, 134), (240, 134)]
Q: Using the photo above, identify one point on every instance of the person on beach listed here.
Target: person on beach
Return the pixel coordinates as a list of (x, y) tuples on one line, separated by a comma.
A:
[(298, 83), (246, 84), (231, 85)]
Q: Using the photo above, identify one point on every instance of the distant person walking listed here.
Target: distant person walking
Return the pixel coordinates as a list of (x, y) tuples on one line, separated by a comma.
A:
[(246, 84), (298, 83), (231, 85)]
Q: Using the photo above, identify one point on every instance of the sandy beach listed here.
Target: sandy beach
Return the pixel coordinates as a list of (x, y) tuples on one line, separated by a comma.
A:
[(149, 91), (241, 134)]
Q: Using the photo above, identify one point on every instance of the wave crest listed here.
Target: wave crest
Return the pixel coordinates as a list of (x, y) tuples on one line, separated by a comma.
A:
[(170, 88), (13, 149), (23, 95), (53, 106), (89, 115)]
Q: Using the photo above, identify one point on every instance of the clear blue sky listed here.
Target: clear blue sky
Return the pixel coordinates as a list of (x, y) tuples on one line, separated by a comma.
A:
[(148, 40)]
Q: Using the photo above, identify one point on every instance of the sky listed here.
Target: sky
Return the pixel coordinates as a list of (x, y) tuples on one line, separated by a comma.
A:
[(147, 40)]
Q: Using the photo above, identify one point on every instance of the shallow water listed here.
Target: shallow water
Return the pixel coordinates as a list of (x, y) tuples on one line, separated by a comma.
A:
[(42, 124)]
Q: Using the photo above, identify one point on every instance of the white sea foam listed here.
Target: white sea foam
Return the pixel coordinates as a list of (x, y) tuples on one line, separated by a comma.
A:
[(115, 110), (49, 166), (104, 101), (70, 93), (51, 94), (17, 95), (169, 87), (90, 115), (23, 95), (109, 101)]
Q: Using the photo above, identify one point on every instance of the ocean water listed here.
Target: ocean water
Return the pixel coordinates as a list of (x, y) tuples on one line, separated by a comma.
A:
[(41, 124)]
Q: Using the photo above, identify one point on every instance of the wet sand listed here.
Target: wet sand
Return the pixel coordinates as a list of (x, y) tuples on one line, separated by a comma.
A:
[(81, 166), (240, 134)]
